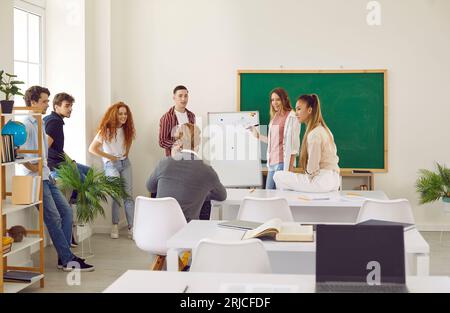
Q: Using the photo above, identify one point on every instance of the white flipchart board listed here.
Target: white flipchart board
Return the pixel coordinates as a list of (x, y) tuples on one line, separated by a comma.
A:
[(234, 152)]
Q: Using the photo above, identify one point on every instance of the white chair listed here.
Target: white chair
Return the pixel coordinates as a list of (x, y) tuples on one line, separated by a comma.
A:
[(389, 210), (247, 256), (264, 209), (155, 221)]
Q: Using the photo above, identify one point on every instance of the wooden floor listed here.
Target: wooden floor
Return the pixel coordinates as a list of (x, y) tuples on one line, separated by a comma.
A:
[(114, 257)]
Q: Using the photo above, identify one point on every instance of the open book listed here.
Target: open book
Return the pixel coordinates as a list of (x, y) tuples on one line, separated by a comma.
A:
[(282, 231)]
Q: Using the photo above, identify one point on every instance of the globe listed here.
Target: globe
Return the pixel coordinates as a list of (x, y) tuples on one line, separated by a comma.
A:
[(18, 130)]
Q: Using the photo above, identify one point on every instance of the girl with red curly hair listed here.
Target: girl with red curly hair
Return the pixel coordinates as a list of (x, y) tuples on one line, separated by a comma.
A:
[(113, 143)]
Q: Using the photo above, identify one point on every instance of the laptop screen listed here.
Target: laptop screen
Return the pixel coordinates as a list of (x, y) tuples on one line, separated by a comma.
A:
[(353, 253)]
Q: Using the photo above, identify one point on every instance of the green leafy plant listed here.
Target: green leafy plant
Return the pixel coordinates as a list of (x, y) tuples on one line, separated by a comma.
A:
[(8, 85), (92, 192), (433, 186)]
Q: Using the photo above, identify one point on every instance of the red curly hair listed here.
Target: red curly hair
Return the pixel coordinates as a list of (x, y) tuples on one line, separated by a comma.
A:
[(108, 125)]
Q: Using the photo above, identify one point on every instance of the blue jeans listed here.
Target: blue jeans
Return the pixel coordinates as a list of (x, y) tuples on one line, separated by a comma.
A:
[(270, 184), (83, 169), (122, 169), (58, 217)]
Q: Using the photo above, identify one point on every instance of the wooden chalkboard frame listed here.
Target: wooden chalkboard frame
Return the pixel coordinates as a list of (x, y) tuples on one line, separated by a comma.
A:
[(378, 71)]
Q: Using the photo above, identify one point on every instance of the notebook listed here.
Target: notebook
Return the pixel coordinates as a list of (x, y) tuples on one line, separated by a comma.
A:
[(21, 277), (247, 225)]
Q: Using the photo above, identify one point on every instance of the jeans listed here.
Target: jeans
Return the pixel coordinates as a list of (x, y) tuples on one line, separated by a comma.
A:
[(122, 169), (270, 183), (58, 217), (83, 169)]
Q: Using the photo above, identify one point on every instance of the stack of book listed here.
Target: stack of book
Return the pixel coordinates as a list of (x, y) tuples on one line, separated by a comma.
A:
[(8, 154), (21, 277), (25, 189)]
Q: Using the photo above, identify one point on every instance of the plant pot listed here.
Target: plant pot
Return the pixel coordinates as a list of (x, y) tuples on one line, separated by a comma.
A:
[(7, 106), (446, 201)]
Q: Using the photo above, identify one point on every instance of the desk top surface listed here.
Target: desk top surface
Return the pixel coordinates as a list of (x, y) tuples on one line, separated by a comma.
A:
[(333, 199), (190, 235), (176, 282)]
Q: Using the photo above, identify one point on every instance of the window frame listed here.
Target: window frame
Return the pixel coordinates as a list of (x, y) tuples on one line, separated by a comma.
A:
[(34, 8)]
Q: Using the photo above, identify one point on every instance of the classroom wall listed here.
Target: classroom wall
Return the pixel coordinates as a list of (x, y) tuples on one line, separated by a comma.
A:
[(65, 67), (157, 44), (6, 37)]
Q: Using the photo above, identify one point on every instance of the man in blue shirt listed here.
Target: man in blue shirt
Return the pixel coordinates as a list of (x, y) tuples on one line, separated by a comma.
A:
[(58, 215)]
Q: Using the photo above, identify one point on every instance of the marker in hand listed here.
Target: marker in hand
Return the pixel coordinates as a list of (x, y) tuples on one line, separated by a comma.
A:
[(250, 127)]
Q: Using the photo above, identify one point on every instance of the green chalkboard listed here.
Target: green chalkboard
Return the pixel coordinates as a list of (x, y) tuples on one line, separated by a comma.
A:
[(353, 105)]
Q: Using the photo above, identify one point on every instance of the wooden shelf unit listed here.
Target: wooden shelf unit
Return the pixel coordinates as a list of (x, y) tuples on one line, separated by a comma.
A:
[(35, 237)]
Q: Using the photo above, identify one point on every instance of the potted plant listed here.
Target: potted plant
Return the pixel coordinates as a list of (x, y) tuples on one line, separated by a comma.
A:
[(92, 192), (8, 85), (434, 186)]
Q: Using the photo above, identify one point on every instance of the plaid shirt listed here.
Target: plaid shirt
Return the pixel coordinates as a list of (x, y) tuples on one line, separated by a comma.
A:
[(167, 127)]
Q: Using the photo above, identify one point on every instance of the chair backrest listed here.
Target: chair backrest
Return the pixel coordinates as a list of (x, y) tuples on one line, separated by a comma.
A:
[(247, 256), (264, 209), (388, 210), (155, 221)]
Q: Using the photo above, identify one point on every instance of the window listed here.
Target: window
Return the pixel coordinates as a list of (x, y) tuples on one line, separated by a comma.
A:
[(28, 44)]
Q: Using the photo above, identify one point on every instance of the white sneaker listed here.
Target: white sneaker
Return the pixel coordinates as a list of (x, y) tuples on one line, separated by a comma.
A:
[(130, 233), (115, 231)]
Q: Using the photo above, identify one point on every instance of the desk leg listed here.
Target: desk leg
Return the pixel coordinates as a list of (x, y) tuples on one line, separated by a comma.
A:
[(217, 212), (172, 260), (423, 264)]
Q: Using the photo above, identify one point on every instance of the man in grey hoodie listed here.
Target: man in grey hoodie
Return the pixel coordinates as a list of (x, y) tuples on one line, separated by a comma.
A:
[(185, 177)]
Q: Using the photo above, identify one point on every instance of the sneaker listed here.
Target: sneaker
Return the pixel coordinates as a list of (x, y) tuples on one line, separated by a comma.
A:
[(73, 244), (79, 264), (115, 231), (130, 233), (60, 265)]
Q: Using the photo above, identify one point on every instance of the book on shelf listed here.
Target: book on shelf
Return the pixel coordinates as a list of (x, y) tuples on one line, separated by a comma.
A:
[(36, 188), (282, 231), (21, 276), (8, 152), (25, 189)]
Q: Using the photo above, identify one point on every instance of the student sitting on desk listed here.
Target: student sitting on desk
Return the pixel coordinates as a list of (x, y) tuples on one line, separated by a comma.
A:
[(318, 153), (185, 177), (283, 140)]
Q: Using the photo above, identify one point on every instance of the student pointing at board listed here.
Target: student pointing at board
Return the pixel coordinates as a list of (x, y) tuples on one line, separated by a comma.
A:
[(283, 140), (318, 156)]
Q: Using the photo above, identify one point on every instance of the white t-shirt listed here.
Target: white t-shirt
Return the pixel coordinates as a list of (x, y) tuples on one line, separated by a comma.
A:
[(182, 118), (115, 147)]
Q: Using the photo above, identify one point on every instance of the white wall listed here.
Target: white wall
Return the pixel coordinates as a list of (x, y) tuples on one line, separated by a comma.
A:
[(98, 81), (65, 67), (6, 37), (157, 44)]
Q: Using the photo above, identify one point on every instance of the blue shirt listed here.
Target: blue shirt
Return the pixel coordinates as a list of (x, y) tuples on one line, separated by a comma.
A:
[(31, 125)]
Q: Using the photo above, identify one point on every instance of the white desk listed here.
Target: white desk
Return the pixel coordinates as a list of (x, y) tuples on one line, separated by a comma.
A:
[(286, 257), (339, 209), (176, 282)]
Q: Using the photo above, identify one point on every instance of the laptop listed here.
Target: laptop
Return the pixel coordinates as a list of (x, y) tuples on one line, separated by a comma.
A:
[(360, 258)]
